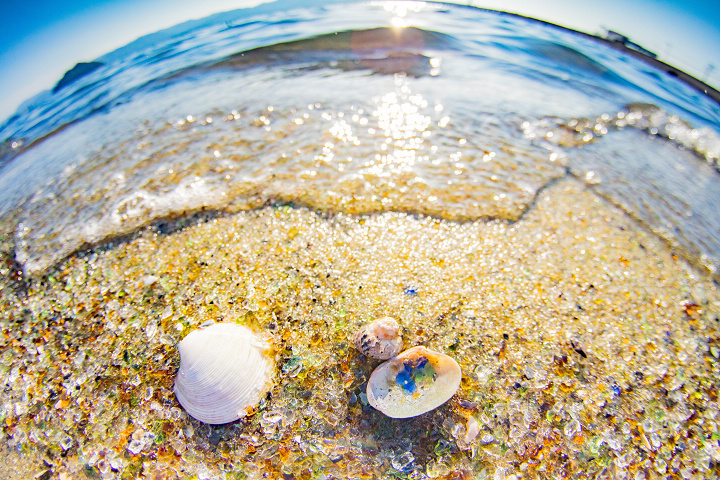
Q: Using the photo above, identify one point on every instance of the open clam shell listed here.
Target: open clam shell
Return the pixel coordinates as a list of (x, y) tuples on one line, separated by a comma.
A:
[(224, 370), (414, 382)]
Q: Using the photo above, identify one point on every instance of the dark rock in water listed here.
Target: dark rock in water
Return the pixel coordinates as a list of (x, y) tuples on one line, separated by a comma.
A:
[(79, 70)]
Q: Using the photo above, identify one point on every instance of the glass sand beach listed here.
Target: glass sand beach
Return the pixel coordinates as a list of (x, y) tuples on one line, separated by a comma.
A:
[(537, 205)]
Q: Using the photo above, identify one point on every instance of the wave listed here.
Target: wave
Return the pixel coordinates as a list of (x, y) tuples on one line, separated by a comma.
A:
[(703, 142), (397, 155), (657, 167)]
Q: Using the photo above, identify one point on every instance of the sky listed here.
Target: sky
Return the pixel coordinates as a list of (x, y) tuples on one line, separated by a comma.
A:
[(41, 39)]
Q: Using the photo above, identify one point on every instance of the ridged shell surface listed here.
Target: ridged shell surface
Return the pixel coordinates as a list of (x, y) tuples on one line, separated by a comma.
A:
[(224, 369), (414, 382), (379, 339)]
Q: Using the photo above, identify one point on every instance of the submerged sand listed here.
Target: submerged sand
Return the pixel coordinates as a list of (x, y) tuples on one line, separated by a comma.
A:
[(587, 348)]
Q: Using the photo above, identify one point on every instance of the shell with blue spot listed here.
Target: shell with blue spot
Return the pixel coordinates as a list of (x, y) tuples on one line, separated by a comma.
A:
[(414, 382)]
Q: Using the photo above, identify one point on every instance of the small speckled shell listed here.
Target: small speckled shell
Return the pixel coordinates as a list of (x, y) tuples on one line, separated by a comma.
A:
[(416, 381), (224, 370), (379, 339)]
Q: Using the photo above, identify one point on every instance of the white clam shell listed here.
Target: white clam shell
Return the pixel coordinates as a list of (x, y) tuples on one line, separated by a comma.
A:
[(224, 370), (379, 339), (414, 382)]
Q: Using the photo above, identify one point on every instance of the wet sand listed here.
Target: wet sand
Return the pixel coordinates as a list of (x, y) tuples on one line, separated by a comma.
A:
[(587, 347)]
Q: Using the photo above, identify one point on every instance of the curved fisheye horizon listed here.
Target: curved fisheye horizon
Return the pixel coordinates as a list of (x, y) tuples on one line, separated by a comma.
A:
[(46, 39), (212, 235)]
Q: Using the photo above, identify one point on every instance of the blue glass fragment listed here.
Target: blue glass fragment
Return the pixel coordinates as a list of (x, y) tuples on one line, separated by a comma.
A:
[(404, 379), (423, 361)]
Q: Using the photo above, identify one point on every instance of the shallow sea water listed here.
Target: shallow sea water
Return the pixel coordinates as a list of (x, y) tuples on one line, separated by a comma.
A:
[(536, 205)]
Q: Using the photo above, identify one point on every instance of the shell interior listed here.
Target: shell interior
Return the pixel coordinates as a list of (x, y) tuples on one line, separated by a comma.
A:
[(414, 382), (224, 370)]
